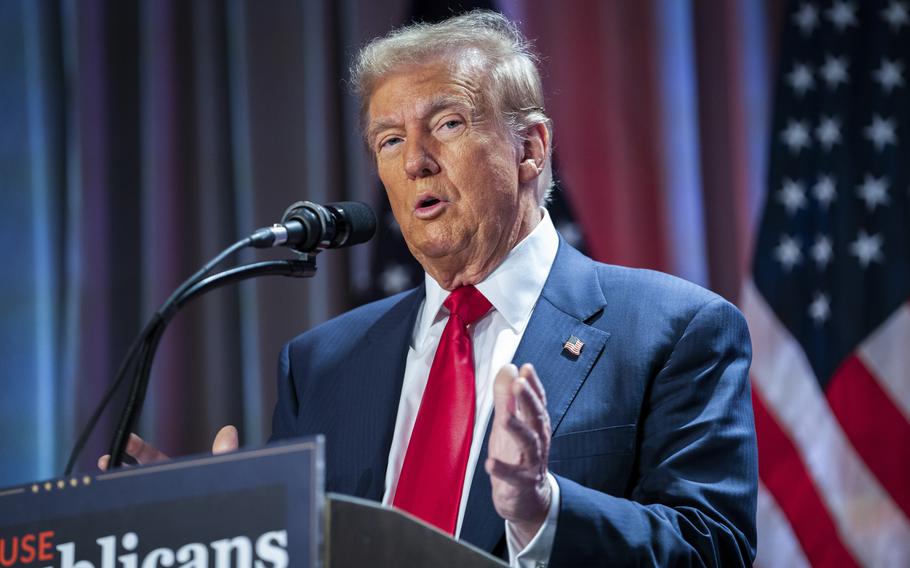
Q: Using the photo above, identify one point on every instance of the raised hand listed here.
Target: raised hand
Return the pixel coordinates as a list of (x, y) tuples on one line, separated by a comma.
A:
[(518, 450)]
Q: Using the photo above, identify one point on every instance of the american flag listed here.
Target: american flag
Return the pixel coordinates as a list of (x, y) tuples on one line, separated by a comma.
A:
[(574, 346), (827, 304)]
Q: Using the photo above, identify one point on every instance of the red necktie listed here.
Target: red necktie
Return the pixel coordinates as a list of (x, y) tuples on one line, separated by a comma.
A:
[(432, 476)]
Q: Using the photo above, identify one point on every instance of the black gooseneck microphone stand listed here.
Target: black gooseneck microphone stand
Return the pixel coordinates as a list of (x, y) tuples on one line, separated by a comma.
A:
[(299, 268), (307, 227), (142, 351)]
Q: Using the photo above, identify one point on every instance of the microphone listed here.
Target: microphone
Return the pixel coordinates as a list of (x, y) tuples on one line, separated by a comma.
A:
[(308, 227)]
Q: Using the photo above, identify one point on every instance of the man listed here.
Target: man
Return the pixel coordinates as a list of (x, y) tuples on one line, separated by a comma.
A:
[(625, 437)]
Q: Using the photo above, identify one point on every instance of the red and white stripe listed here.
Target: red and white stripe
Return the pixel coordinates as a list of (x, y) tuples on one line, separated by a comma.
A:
[(831, 497), (777, 545), (886, 353)]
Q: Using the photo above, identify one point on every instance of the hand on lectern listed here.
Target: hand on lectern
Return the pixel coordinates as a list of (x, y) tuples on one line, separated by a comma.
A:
[(226, 440)]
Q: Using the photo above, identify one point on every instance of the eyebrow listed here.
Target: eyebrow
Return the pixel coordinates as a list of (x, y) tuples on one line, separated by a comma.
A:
[(436, 105), (378, 126), (443, 102)]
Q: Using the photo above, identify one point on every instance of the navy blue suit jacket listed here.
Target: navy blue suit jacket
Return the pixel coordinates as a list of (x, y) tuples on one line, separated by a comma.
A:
[(653, 439)]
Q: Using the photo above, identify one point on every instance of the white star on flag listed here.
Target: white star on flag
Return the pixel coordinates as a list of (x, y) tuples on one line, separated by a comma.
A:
[(874, 191), (792, 195), (820, 308), (806, 18), (821, 251), (801, 79), (896, 15), (788, 253), (796, 136), (828, 132), (834, 71), (867, 248), (824, 190), (881, 132), (889, 75), (842, 15)]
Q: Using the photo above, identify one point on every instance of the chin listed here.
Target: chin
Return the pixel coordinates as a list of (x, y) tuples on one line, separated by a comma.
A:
[(433, 251), (438, 248), (433, 241)]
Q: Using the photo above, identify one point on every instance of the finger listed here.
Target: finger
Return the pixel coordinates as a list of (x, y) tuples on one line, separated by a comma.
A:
[(503, 400), (526, 440), (533, 412), (143, 452), (226, 440), (529, 373), (511, 473), (104, 462)]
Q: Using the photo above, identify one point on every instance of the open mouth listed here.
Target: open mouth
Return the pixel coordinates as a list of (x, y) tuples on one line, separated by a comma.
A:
[(428, 202), (429, 206)]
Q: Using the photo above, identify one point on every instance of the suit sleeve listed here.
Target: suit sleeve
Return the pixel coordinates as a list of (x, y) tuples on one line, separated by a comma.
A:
[(285, 415), (692, 497)]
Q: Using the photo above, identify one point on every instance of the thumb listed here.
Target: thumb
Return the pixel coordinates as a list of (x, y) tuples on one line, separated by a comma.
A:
[(503, 399), (226, 440)]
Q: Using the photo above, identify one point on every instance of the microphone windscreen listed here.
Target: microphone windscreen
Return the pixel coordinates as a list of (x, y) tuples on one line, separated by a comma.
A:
[(360, 221)]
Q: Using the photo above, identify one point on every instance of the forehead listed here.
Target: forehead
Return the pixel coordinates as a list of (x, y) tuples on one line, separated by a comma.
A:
[(419, 90)]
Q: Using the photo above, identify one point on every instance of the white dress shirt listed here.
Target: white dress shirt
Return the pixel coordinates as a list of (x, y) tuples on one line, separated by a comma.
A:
[(512, 289)]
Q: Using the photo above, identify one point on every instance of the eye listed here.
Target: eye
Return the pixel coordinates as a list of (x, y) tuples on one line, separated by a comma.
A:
[(450, 125), (389, 142)]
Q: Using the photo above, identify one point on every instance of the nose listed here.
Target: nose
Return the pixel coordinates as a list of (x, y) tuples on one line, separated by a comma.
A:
[(419, 161)]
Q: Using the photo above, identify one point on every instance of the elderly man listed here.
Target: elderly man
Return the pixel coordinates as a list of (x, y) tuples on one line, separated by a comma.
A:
[(625, 434)]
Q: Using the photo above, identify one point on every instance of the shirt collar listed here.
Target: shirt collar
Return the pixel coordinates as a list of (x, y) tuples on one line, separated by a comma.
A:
[(513, 288)]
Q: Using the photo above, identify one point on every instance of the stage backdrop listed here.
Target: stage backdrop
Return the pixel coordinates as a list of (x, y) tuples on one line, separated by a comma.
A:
[(140, 138)]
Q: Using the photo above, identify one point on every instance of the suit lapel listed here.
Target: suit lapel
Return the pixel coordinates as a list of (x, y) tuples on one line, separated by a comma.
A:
[(365, 448), (571, 296)]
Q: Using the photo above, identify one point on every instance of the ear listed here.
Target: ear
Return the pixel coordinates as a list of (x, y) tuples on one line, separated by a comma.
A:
[(534, 150)]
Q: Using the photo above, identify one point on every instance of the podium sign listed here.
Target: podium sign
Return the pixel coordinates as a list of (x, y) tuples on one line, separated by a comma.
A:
[(250, 509)]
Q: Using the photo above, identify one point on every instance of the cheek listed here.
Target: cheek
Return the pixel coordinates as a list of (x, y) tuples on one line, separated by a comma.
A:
[(498, 186), (490, 173), (396, 200), (400, 204), (393, 191)]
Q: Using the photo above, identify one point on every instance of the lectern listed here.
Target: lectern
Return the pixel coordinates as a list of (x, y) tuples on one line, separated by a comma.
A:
[(261, 508)]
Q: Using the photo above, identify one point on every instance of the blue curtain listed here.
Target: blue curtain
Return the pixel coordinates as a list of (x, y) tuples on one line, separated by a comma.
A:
[(138, 140)]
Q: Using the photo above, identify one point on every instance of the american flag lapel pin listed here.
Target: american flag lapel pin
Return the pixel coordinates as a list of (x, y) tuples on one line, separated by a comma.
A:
[(573, 346)]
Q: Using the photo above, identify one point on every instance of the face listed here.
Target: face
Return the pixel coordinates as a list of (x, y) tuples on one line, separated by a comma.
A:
[(455, 178)]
